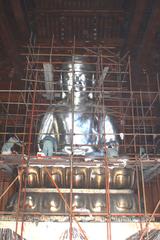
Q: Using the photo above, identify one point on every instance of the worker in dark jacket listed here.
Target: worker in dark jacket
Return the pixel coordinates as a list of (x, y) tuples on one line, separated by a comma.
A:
[(7, 147)]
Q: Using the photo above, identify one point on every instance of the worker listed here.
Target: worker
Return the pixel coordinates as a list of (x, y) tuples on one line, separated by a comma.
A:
[(142, 151), (7, 147), (49, 146)]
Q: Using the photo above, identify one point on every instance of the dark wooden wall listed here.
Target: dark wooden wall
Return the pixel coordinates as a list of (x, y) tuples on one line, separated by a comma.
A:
[(5, 181)]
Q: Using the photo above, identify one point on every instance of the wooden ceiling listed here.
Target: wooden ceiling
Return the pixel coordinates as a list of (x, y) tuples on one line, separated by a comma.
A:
[(132, 25), (85, 21)]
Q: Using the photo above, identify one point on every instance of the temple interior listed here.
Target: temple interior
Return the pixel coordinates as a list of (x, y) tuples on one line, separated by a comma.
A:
[(79, 120)]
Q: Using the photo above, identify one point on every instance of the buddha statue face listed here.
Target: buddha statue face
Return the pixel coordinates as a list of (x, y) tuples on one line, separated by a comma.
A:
[(77, 78)]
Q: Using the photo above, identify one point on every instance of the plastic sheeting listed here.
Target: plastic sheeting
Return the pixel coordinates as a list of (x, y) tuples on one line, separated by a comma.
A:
[(152, 235), (8, 234), (76, 235)]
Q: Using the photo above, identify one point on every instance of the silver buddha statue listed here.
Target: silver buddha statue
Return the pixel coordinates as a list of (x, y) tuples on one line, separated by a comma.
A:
[(77, 125), (80, 126)]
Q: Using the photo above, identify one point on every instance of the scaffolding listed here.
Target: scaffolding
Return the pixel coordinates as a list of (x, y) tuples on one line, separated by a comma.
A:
[(135, 114)]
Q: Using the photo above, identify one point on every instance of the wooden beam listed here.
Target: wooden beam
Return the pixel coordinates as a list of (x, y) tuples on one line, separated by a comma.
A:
[(9, 43), (136, 21), (20, 18), (79, 11), (109, 43), (149, 34), (7, 38)]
